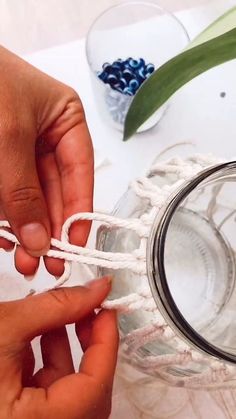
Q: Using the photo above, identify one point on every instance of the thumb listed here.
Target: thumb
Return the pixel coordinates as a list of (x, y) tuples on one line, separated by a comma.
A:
[(36, 315), (21, 195)]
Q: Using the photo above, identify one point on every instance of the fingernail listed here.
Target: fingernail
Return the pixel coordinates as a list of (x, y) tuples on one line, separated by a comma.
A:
[(34, 238), (8, 250), (99, 283), (29, 277)]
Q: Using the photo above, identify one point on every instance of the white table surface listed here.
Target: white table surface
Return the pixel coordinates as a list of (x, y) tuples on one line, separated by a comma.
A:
[(197, 114)]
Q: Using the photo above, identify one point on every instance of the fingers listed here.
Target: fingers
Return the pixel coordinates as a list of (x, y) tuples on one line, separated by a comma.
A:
[(21, 196), (67, 181), (28, 366), (36, 315), (99, 360), (84, 330), (74, 156), (90, 390), (69, 136), (51, 185), (25, 264), (57, 359)]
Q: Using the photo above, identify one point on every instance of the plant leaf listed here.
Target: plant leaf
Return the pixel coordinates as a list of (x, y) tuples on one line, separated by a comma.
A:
[(174, 74)]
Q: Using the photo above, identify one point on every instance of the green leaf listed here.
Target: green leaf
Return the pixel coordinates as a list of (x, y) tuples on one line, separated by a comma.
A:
[(176, 73), (214, 46)]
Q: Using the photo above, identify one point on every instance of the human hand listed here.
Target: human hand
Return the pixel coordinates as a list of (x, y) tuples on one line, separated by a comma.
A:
[(46, 171), (56, 391)]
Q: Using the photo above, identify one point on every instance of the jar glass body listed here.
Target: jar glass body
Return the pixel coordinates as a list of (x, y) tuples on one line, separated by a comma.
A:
[(190, 270)]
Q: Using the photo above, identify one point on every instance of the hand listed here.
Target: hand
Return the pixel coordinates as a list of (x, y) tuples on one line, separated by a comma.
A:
[(56, 391), (46, 171)]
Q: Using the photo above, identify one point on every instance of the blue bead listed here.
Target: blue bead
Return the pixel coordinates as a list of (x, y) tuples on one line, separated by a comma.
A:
[(112, 79), (136, 63), (126, 63), (141, 75), (128, 74), (108, 68), (123, 82), (118, 65), (142, 62), (134, 84), (128, 91), (103, 75), (117, 73), (133, 63), (150, 68), (105, 65)]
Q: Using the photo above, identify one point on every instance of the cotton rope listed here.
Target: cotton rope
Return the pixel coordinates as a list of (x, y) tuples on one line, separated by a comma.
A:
[(215, 371)]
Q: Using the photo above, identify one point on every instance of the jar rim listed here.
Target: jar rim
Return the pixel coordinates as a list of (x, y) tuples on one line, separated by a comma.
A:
[(156, 270)]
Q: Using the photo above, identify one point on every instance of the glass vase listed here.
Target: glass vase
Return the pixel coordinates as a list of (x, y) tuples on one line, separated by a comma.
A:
[(180, 328)]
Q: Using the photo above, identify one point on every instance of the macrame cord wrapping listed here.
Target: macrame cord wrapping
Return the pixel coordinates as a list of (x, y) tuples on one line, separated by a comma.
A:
[(216, 372)]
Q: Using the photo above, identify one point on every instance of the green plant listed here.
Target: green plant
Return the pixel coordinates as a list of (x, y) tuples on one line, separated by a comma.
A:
[(214, 46)]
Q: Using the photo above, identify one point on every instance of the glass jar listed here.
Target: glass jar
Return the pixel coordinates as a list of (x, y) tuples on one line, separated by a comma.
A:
[(179, 312), (136, 31)]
